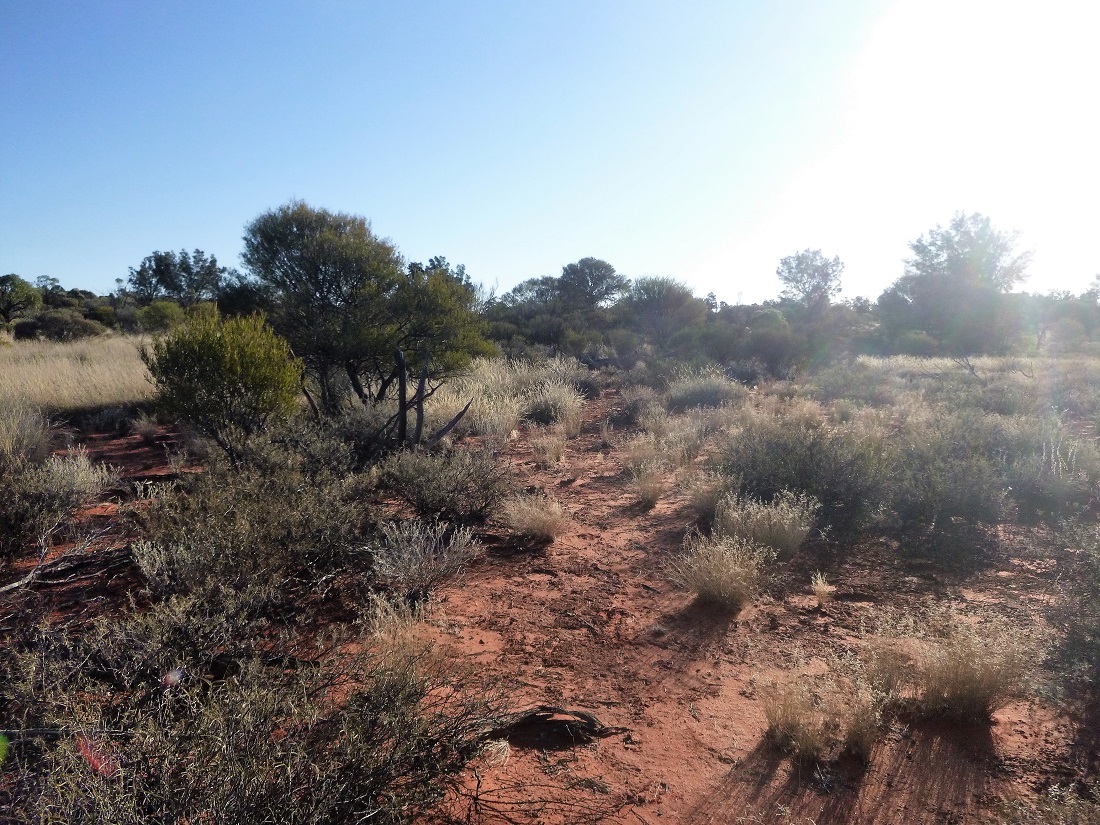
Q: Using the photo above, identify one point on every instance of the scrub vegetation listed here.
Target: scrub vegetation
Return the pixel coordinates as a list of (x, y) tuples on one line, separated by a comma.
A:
[(347, 441)]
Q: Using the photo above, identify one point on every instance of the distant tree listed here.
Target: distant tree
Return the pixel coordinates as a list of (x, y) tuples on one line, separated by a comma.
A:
[(954, 289), (810, 279), (590, 283), (969, 251), (186, 278), (345, 301), (658, 308), (17, 298)]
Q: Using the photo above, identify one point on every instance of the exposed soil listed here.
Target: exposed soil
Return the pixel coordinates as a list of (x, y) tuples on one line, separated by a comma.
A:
[(591, 624)]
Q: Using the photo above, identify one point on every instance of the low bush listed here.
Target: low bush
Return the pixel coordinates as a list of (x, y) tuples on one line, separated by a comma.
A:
[(240, 736), (272, 540), (725, 571), (942, 468), (783, 524), (839, 467), (452, 484), (414, 557), (708, 387)]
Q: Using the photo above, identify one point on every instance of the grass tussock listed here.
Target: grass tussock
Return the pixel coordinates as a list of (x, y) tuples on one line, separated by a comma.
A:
[(536, 517), (796, 721), (725, 571), (548, 447), (783, 524)]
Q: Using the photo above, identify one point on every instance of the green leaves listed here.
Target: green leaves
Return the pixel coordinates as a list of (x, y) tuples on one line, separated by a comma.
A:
[(227, 379)]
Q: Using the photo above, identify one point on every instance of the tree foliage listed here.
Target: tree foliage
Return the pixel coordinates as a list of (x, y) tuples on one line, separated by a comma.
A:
[(186, 278), (810, 279), (17, 298), (954, 289), (345, 300)]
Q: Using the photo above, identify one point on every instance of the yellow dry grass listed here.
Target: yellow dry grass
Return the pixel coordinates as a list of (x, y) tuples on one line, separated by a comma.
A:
[(77, 375)]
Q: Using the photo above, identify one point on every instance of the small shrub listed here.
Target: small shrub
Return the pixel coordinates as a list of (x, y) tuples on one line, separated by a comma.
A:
[(649, 483), (455, 484), (537, 517), (226, 379), (272, 539), (726, 571), (839, 467), (708, 387), (415, 557), (782, 525), (145, 427)]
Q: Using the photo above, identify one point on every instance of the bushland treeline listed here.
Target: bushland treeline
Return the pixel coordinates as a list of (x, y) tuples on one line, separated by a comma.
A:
[(345, 299)]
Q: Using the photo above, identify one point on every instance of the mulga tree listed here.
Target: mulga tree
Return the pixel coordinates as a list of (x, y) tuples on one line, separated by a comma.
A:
[(346, 301)]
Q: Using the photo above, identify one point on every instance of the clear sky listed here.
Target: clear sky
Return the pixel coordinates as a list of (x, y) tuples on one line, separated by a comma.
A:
[(698, 140)]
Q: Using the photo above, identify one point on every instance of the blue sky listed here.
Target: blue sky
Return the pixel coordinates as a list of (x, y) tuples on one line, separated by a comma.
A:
[(698, 140)]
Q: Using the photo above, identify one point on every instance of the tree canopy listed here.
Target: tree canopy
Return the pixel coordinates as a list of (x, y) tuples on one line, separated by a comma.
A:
[(186, 278), (345, 300), (811, 279), (954, 286)]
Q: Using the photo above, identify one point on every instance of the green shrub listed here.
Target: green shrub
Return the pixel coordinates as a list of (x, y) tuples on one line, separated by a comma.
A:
[(941, 470), (453, 484), (837, 466), (226, 379)]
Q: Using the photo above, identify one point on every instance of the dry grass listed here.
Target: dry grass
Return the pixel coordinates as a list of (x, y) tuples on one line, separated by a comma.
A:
[(536, 517), (796, 721), (79, 375), (726, 571), (548, 446), (820, 587), (648, 481), (973, 670), (783, 524)]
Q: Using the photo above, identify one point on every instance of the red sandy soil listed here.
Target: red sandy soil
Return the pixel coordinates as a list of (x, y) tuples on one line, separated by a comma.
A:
[(592, 623)]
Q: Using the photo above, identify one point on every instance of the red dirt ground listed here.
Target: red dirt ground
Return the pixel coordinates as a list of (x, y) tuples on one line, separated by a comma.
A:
[(591, 623)]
